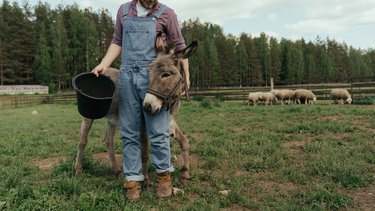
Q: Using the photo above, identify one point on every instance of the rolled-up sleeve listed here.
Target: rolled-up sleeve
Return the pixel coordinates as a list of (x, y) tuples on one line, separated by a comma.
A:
[(174, 31), (117, 35)]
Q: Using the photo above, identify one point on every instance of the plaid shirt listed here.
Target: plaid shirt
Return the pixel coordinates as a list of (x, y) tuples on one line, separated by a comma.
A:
[(167, 25)]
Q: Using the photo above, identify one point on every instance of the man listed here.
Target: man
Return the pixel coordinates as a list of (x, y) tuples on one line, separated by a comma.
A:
[(138, 22)]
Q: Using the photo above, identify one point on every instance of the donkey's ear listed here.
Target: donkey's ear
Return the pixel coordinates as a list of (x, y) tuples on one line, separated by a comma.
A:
[(188, 51), (159, 43)]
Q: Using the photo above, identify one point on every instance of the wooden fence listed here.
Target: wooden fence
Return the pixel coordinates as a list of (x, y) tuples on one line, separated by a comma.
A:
[(358, 91), (18, 101)]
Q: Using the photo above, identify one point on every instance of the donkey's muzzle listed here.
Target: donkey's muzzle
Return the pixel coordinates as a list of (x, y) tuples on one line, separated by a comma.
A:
[(149, 109)]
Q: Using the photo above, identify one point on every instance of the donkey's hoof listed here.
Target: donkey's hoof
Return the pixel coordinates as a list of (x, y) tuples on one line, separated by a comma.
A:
[(148, 183), (78, 172), (183, 181), (117, 173)]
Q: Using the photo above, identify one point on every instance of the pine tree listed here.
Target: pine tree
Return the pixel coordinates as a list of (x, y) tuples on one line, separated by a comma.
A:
[(91, 41), (255, 67), (227, 59), (3, 31), (242, 65), (7, 73), (211, 60), (26, 43), (105, 28), (43, 14), (327, 67), (275, 64), (17, 50), (311, 67), (42, 63), (214, 32), (286, 61), (369, 59), (299, 73), (59, 56), (253, 75), (261, 44), (347, 64)]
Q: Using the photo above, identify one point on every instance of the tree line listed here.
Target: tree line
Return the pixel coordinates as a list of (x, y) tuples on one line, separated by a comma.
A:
[(41, 45), (227, 60)]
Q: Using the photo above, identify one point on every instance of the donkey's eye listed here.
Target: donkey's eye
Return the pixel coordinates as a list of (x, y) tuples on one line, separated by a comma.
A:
[(165, 75)]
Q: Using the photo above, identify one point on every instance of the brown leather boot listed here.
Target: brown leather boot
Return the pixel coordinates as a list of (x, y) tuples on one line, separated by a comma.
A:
[(165, 185), (133, 192)]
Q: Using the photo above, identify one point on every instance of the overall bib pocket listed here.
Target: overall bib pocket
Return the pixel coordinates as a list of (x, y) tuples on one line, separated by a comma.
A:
[(137, 40)]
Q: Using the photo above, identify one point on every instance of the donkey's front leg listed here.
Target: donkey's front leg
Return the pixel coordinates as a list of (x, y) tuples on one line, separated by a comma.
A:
[(145, 154), (109, 141), (82, 142), (184, 146)]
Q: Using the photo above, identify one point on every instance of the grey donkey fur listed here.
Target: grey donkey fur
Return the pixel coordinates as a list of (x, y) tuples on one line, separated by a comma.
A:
[(112, 125)]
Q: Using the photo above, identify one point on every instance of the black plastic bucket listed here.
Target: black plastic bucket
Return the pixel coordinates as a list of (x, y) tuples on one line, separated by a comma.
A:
[(94, 94)]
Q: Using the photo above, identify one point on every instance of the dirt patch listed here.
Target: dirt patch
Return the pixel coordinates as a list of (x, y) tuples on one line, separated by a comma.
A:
[(264, 186), (294, 148), (194, 161), (263, 180), (274, 186), (104, 158), (294, 144), (241, 173), (195, 136), (331, 118), (235, 207), (48, 163), (364, 198), (240, 130), (364, 126)]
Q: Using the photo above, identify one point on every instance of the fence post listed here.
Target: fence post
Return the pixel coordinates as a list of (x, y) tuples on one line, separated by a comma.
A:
[(15, 101), (351, 89), (243, 95)]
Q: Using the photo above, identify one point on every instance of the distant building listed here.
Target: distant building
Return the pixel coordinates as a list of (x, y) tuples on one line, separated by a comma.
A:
[(23, 89)]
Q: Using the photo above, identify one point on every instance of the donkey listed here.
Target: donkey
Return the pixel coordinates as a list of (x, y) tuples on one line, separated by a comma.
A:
[(167, 83), (112, 125), (167, 78)]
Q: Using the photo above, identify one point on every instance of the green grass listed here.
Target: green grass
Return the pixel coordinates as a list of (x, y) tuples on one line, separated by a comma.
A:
[(298, 157)]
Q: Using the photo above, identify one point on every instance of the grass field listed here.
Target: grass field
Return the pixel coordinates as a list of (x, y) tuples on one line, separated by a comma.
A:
[(298, 157)]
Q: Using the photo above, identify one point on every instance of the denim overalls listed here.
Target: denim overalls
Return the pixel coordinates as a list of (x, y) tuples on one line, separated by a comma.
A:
[(138, 50)]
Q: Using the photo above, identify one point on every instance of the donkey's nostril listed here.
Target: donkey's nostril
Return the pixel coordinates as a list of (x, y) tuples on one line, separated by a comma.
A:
[(147, 108)]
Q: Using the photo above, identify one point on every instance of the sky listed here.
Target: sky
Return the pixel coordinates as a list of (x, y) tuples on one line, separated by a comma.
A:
[(349, 21)]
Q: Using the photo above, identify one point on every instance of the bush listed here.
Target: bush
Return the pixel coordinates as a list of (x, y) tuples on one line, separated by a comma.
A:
[(47, 100), (198, 98), (206, 104), (52, 88), (220, 97), (367, 101)]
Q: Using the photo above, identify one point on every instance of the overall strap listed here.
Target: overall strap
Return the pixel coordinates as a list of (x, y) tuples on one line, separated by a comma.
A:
[(160, 11), (125, 9)]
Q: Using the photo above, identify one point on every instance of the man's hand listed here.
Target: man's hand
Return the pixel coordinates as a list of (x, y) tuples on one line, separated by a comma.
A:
[(113, 52), (100, 69), (186, 87)]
